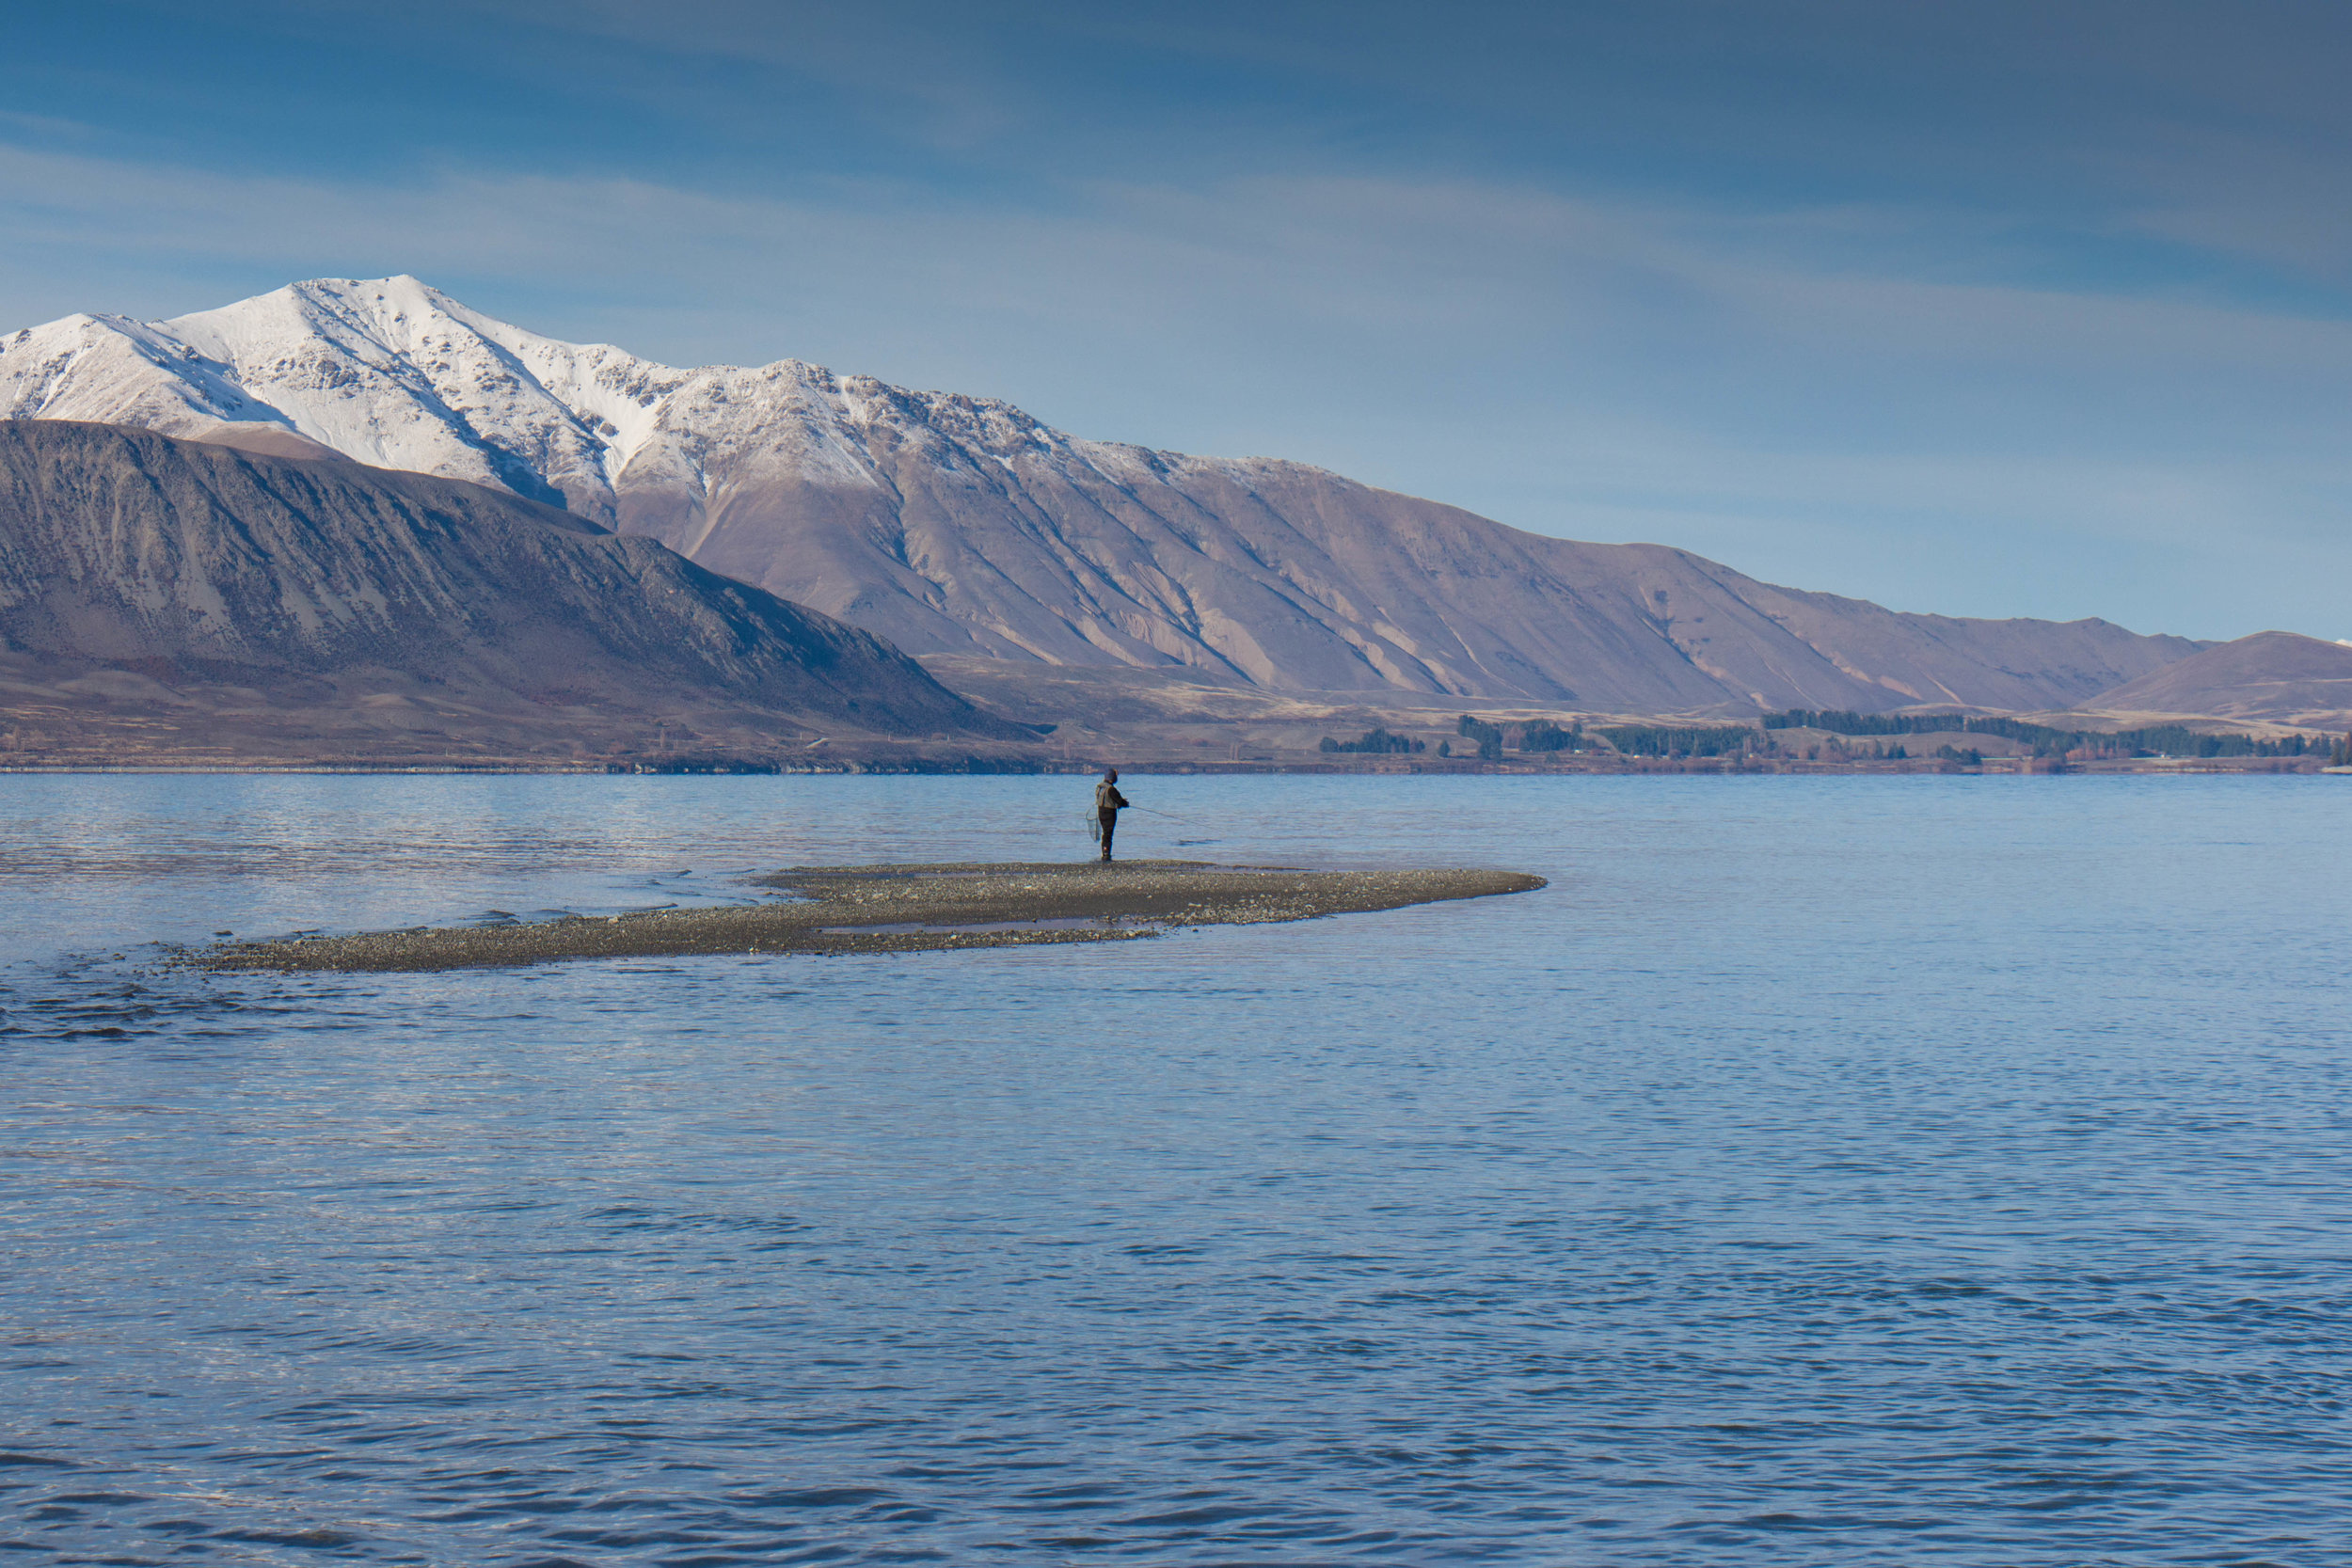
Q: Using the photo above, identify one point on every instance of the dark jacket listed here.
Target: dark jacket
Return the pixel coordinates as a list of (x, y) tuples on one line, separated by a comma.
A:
[(1107, 798)]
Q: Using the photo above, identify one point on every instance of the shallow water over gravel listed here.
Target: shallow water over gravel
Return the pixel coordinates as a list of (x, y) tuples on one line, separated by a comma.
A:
[(1895, 1170)]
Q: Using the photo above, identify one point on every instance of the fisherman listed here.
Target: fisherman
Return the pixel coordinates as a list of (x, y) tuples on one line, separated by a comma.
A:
[(1107, 803)]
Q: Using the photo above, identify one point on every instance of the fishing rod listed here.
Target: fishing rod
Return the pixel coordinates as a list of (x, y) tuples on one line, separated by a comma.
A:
[(1169, 815), (1094, 825)]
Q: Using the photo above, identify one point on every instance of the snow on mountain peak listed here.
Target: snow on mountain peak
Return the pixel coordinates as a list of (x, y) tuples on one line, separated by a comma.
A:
[(389, 370), (394, 372)]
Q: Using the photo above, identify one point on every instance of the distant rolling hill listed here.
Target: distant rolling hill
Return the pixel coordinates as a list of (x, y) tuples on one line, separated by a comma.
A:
[(2274, 676), (961, 529), (163, 599)]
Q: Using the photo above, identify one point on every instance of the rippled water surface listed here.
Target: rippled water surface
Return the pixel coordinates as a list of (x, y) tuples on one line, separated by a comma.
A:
[(1898, 1170)]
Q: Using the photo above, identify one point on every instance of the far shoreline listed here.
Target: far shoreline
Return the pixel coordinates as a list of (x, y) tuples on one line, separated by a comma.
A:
[(993, 768)]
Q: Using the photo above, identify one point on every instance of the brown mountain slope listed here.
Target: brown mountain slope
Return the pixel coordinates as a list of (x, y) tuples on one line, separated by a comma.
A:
[(2276, 676), (957, 528), (347, 610)]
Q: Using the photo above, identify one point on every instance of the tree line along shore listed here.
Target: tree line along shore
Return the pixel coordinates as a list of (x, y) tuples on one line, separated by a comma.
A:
[(1801, 739), (1794, 741)]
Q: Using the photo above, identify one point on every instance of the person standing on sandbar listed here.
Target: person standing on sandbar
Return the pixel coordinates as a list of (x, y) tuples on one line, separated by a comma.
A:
[(1107, 803)]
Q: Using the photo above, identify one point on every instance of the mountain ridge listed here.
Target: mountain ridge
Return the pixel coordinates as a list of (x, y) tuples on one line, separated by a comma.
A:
[(2279, 677), (202, 569), (958, 525)]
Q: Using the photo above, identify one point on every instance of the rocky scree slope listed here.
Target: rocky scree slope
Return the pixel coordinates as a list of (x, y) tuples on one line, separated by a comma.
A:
[(123, 548), (960, 526)]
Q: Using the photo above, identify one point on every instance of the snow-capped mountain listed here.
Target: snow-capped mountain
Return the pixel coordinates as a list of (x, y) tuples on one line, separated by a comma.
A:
[(392, 374), (959, 525)]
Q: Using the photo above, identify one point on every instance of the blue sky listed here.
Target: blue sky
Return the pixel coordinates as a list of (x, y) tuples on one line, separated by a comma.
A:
[(1985, 308)]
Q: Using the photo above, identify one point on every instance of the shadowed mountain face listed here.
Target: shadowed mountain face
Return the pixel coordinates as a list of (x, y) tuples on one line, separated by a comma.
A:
[(959, 526), (2276, 676), (188, 569)]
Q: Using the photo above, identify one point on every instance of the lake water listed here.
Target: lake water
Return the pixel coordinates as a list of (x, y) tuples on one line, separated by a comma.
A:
[(1884, 1170)]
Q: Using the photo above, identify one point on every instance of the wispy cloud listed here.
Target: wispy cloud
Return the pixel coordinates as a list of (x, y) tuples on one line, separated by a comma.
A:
[(1575, 366)]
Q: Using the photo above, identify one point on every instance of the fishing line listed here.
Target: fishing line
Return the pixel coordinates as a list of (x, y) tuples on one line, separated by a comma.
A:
[(1094, 826)]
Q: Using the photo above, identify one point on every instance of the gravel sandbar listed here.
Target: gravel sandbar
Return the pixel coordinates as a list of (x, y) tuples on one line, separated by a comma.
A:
[(896, 908)]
